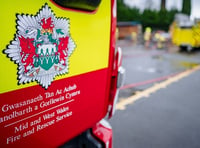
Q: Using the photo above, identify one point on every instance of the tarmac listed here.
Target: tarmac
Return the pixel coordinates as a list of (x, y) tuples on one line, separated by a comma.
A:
[(166, 118)]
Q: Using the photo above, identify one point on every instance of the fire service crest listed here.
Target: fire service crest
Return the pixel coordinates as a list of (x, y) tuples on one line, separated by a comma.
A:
[(41, 47)]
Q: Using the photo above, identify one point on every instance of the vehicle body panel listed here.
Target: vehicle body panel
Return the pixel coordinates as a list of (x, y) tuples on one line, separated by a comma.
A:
[(33, 115), (185, 34)]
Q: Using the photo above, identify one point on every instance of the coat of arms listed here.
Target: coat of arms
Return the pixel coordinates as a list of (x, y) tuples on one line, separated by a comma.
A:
[(41, 47)]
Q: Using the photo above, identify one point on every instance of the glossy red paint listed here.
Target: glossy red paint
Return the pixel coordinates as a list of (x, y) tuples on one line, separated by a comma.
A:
[(48, 118), (35, 117), (115, 63), (103, 132)]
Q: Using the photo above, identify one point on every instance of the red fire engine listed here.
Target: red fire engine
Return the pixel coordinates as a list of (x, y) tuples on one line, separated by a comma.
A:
[(60, 73)]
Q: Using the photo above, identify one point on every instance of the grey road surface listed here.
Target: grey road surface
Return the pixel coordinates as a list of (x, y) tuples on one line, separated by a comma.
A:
[(168, 118)]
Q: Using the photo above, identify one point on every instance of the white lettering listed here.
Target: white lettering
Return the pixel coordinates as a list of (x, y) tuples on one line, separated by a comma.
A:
[(16, 114), (49, 94), (40, 127), (8, 107), (48, 116), (70, 88), (58, 92), (59, 118), (29, 132), (21, 127), (37, 121), (13, 139), (62, 110), (51, 101)]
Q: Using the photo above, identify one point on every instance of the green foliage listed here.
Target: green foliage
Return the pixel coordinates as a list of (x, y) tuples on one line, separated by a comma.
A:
[(186, 7), (125, 13), (156, 19), (149, 18)]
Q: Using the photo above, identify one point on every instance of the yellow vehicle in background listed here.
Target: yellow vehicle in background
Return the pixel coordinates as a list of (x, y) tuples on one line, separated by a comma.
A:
[(196, 32), (185, 33)]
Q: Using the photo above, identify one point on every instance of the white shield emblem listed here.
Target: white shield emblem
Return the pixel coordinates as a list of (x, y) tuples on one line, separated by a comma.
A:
[(41, 47)]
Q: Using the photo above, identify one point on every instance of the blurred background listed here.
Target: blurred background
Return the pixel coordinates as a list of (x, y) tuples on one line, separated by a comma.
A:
[(158, 105), (160, 21)]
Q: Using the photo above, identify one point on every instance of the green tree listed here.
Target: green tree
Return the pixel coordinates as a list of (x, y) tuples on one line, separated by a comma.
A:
[(153, 18), (149, 18), (125, 13), (186, 7)]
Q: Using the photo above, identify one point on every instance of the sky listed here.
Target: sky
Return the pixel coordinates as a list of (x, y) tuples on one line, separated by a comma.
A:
[(155, 4)]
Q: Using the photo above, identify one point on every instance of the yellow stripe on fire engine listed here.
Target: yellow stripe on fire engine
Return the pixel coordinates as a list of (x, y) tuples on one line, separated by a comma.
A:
[(90, 32)]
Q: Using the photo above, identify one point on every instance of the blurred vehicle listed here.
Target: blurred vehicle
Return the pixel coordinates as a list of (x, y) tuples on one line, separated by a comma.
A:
[(185, 33), (60, 73)]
